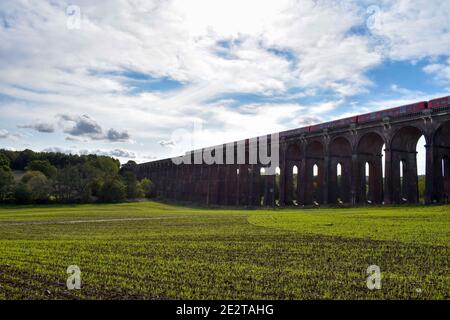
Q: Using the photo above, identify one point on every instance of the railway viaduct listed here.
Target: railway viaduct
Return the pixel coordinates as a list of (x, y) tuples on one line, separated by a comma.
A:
[(329, 166)]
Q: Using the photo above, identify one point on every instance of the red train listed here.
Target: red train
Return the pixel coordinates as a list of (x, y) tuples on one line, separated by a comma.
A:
[(440, 102), (334, 124), (294, 132), (374, 116), (393, 112), (318, 127)]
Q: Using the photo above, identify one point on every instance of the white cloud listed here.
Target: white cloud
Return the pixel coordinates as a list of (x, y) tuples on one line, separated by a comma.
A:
[(118, 153), (75, 139), (5, 134), (213, 48), (179, 40), (441, 71), (59, 150), (39, 126), (165, 143), (85, 126), (413, 29)]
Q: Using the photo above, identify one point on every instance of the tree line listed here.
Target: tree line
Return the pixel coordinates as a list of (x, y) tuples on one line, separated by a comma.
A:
[(51, 177)]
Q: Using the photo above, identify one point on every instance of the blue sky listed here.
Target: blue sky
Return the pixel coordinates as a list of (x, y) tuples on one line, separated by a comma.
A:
[(143, 80)]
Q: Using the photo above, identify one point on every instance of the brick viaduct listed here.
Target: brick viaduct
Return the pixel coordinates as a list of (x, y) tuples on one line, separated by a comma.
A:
[(317, 156)]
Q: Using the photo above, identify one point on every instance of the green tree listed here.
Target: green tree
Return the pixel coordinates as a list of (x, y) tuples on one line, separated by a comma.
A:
[(10, 156), (66, 177), (23, 158), (80, 183), (22, 193), (96, 186), (148, 187), (133, 187), (113, 190), (139, 191), (4, 162), (88, 175), (107, 165), (40, 188), (67, 180), (6, 183), (29, 175), (43, 166)]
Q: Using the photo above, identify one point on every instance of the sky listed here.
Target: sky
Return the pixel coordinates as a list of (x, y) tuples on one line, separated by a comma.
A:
[(144, 80)]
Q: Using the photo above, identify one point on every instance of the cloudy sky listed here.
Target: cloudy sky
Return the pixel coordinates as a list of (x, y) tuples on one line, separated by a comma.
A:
[(133, 79)]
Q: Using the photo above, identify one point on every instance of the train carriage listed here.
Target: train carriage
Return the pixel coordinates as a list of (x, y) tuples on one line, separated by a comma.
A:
[(334, 124), (343, 122), (294, 132), (318, 127), (439, 103), (393, 112)]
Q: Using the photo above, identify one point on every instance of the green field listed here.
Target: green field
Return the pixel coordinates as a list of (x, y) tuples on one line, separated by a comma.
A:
[(149, 250)]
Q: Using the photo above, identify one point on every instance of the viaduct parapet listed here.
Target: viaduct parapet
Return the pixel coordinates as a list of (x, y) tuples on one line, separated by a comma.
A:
[(338, 162)]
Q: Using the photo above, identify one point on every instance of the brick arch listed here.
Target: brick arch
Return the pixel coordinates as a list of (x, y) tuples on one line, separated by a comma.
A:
[(314, 155), (315, 148), (370, 143), (340, 150), (369, 189), (293, 151), (441, 156), (340, 145), (403, 156), (406, 138), (442, 134)]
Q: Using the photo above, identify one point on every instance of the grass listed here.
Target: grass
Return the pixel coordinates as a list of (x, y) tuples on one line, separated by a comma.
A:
[(150, 250)]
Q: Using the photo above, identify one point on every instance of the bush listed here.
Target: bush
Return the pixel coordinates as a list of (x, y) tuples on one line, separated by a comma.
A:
[(113, 190), (148, 187)]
